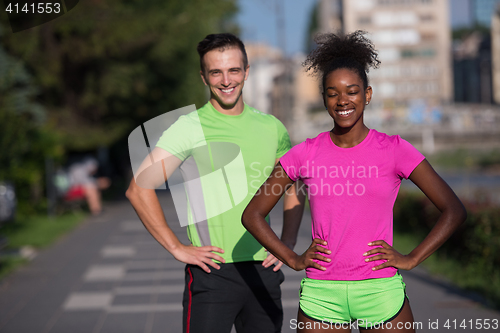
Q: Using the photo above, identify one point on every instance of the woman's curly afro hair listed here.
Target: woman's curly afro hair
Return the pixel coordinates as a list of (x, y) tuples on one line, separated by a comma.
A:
[(352, 51)]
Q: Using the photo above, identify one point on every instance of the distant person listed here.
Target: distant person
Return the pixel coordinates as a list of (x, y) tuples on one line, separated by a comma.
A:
[(229, 278), (83, 184), (353, 175)]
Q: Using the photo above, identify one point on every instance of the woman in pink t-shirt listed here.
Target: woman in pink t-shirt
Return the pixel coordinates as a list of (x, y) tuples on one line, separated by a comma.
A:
[(352, 174)]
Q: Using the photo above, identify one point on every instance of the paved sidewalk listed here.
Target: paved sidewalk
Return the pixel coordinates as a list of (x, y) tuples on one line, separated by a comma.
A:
[(110, 276)]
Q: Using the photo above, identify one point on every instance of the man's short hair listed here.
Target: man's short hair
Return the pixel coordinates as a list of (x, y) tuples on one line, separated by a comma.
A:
[(221, 42)]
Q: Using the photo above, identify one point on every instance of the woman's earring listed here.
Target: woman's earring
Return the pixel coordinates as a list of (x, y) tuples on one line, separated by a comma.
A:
[(367, 103)]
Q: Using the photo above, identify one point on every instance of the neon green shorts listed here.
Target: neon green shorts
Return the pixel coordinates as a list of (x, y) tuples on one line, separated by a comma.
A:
[(368, 302)]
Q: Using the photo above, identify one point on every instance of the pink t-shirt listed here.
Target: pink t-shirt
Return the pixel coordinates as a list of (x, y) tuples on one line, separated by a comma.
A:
[(351, 193)]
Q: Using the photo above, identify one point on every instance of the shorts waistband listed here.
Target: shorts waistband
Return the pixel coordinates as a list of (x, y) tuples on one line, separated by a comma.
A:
[(341, 282)]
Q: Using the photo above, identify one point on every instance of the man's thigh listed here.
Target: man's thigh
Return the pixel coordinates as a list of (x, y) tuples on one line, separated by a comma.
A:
[(211, 301), (263, 311)]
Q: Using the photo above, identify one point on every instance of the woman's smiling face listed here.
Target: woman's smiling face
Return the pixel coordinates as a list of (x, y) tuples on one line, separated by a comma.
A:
[(345, 97)]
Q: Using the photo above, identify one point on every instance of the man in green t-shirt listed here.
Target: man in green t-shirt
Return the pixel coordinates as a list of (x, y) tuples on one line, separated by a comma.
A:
[(225, 150)]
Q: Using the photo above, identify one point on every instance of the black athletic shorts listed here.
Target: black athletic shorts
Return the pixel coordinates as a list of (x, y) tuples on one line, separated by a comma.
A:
[(245, 294)]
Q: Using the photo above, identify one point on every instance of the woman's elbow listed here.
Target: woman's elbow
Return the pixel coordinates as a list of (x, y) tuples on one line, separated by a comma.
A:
[(249, 218), (245, 219), (458, 213), (462, 214)]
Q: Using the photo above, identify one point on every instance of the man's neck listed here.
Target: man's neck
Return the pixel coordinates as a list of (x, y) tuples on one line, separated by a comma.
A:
[(236, 110)]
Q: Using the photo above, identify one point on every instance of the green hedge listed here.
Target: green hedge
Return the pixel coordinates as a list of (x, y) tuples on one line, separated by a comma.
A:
[(470, 258)]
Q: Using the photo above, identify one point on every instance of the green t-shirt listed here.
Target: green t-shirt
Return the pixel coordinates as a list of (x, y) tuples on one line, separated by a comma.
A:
[(225, 161)]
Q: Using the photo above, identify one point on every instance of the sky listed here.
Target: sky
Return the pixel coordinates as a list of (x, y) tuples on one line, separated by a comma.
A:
[(258, 20)]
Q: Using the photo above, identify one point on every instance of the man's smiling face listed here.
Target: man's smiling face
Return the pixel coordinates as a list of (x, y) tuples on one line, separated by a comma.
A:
[(225, 75)]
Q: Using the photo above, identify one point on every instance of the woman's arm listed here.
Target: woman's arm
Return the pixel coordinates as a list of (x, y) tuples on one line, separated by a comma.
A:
[(253, 220), (293, 209), (453, 214)]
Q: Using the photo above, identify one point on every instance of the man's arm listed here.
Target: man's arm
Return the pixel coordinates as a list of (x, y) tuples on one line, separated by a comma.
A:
[(155, 170)]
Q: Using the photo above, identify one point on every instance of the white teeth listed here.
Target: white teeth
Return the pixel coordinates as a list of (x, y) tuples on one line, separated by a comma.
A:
[(227, 90), (345, 113)]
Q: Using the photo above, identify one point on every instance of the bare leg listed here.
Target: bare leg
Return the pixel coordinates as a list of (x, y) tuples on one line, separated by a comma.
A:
[(402, 323), (306, 325), (103, 183), (93, 196)]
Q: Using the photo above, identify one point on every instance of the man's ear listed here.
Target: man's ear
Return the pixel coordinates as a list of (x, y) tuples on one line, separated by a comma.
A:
[(203, 77), (247, 72)]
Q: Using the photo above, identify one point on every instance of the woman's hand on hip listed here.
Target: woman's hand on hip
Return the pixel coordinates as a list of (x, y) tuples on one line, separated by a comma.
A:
[(392, 257), (313, 252)]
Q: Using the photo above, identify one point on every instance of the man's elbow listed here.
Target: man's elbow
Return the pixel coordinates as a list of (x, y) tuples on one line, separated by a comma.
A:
[(131, 192)]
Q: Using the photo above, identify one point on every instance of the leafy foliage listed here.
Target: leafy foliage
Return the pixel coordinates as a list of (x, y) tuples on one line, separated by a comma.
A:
[(107, 66), (463, 32), (24, 141), (87, 78), (474, 246)]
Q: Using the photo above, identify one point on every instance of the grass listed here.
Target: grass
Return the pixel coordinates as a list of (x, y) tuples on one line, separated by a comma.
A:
[(35, 231), (466, 159), (474, 276), (38, 231), (9, 264)]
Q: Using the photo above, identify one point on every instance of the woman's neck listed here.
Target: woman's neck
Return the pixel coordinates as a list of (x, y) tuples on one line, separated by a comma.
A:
[(348, 137)]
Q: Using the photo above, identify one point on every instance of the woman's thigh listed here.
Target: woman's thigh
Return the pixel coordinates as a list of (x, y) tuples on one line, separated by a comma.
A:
[(402, 323), (307, 325)]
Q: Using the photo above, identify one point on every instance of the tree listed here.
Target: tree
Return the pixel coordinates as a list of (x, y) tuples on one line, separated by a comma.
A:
[(25, 138), (107, 66)]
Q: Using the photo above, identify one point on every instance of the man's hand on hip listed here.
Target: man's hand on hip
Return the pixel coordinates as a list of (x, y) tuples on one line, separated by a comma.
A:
[(200, 256), (270, 260)]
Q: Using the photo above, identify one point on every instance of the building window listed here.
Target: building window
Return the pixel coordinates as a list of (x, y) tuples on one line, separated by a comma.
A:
[(426, 17), (407, 53), (429, 71), (406, 71), (403, 2), (364, 20), (428, 53), (428, 36), (424, 53)]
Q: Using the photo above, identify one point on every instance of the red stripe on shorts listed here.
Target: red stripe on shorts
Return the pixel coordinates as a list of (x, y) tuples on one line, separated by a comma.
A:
[(190, 299)]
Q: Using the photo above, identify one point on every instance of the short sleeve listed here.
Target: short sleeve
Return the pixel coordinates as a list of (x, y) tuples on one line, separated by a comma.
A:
[(180, 138), (284, 144), (292, 161), (406, 157)]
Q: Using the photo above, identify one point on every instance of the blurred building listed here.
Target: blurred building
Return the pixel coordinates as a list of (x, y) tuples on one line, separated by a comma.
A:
[(473, 69), (414, 42), (413, 88), (282, 97), (266, 63), (306, 103), (278, 85), (330, 15), (495, 53)]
